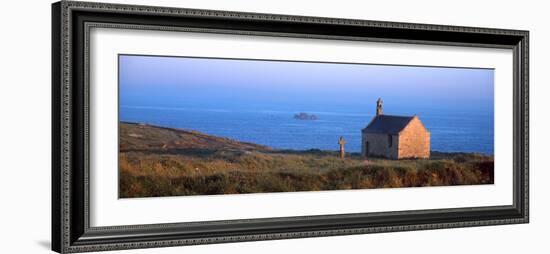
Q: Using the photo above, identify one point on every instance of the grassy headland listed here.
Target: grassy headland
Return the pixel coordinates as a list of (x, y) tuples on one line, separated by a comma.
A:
[(158, 161)]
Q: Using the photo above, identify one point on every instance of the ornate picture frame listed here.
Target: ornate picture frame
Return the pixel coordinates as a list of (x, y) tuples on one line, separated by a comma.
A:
[(71, 24)]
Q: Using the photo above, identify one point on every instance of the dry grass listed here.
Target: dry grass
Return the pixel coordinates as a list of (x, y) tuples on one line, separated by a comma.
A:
[(230, 172), (157, 161)]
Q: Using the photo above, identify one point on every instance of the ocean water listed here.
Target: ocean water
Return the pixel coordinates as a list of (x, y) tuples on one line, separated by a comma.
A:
[(452, 130)]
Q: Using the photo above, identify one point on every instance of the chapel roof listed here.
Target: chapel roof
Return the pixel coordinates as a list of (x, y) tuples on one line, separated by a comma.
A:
[(387, 124)]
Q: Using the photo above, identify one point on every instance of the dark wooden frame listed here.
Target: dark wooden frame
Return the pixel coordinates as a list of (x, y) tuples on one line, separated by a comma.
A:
[(71, 22)]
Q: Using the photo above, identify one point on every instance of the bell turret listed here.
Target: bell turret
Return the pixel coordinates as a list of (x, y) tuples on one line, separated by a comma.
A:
[(379, 106)]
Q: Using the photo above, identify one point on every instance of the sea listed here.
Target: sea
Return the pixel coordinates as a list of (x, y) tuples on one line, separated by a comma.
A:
[(452, 130)]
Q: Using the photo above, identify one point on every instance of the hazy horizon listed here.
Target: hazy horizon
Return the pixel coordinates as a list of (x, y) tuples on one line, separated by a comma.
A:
[(227, 83)]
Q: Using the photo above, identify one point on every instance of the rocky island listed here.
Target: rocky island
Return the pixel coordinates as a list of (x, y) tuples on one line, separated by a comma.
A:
[(305, 116)]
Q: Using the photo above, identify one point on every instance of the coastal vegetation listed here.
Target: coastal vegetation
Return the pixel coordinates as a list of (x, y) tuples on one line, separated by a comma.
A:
[(157, 161)]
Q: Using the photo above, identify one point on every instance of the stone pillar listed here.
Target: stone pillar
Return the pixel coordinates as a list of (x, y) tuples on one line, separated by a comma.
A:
[(342, 142)]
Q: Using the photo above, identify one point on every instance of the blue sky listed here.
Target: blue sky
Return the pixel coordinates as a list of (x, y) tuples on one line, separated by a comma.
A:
[(302, 86)]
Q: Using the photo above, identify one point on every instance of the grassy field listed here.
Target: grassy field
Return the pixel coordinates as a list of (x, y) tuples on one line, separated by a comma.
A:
[(157, 161)]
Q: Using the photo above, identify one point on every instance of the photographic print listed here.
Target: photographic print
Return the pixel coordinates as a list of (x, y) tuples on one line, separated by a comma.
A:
[(175, 126), (206, 126)]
